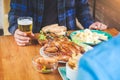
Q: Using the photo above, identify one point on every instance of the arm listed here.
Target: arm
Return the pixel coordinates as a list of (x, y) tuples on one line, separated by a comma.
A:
[(19, 8), (12, 22), (12, 17), (102, 62), (83, 13)]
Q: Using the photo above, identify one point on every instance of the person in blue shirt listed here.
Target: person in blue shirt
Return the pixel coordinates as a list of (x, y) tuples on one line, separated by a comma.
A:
[(47, 12), (102, 62)]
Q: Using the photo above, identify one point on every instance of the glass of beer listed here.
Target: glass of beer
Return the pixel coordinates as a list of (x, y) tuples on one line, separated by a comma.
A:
[(25, 25)]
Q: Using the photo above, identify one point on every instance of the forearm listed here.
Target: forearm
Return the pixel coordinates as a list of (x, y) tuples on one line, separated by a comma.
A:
[(12, 23), (18, 8), (83, 13), (12, 16)]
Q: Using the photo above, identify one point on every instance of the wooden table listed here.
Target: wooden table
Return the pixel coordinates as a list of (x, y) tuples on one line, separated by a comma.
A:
[(16, 61)]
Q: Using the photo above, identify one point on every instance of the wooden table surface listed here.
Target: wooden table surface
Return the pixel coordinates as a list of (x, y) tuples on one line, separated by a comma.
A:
[(16, 61)]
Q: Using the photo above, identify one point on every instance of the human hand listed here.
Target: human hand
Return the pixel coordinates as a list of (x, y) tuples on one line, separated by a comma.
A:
[(21, 37), (98, 26)]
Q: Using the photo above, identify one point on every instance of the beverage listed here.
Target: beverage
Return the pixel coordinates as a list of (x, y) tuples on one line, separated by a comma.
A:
[(25, 24)]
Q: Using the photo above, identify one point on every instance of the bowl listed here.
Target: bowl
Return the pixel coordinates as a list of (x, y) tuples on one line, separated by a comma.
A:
[(44, 64), (71, 74)]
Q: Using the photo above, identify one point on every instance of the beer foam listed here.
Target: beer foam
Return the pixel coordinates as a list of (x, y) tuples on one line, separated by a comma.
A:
[(25, 22)]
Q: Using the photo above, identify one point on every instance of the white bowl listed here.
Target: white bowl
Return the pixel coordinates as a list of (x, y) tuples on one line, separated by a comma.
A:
[(71, 73)]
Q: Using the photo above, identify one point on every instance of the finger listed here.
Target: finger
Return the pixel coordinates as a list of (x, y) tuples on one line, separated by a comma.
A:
[(20, 44), (98, 26), (22, 41), (18, 32), (23, 38), (20, 35), (93, 27), (102, 27), (32, 34)]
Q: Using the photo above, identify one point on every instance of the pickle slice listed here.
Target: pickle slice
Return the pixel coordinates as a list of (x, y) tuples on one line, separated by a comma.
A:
[(46, 71)]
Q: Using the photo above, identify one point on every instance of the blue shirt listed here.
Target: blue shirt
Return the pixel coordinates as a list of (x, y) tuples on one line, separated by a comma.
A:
[(101, 63), (68, 10), (50, 8)]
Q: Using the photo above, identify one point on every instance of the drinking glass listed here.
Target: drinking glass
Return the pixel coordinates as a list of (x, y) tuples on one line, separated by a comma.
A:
[(25, 24)]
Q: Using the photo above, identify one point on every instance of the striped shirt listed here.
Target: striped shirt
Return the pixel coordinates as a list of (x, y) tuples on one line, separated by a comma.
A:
[(68, 11)]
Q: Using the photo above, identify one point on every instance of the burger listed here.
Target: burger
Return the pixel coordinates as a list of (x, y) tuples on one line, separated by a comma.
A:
[(55, 28)]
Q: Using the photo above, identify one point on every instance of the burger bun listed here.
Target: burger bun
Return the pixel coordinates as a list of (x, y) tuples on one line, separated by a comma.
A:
[(55, 28)]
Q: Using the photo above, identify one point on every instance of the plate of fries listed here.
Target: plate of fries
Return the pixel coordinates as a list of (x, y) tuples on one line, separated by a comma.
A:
[(90, 37)]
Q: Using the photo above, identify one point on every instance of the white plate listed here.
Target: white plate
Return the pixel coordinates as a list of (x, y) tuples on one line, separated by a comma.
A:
[(71, 74)]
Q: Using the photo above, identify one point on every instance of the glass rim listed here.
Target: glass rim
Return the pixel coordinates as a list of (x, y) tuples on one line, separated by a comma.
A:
[(21, 20), (24, 17)]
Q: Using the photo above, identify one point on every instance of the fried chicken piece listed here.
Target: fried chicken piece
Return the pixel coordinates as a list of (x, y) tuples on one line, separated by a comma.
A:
[(51, 49)]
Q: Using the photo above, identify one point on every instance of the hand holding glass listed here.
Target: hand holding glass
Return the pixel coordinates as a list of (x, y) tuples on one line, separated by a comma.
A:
[(25, 25)]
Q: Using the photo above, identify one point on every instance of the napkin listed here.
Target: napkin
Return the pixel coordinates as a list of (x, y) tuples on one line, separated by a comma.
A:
[(102, 62)]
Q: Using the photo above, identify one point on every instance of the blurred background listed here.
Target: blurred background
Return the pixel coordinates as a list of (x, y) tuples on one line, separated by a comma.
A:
[(105, 11), (4, 9)]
